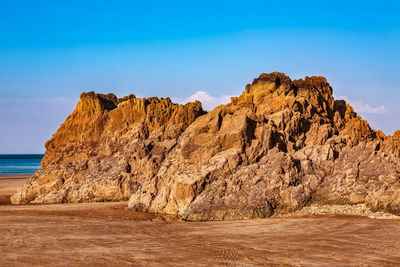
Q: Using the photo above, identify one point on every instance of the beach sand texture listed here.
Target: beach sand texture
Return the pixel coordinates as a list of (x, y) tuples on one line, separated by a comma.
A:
[(108, 234), (9, 184)]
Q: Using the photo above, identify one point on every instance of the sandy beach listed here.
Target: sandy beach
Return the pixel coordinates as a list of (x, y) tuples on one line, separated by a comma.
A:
[(107, 234), (199, 133), (9, 184)]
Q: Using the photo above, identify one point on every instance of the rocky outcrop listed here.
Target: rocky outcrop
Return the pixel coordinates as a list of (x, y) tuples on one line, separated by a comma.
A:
[(106, 148), (279, 146)]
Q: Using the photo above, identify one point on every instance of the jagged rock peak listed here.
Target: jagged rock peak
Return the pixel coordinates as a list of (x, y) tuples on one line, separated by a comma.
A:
[(91, 102), (277, 78), (277, 82), (271, 92)]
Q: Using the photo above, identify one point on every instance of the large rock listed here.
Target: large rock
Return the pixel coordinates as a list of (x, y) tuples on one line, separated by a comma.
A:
[(106, 148), (280, 145)]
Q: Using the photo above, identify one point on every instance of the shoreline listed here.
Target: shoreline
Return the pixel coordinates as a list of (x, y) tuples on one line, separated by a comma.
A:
[(15, 176)]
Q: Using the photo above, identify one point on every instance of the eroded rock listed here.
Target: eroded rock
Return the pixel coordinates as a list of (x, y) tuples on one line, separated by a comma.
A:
[(106, 148), (279, 146)]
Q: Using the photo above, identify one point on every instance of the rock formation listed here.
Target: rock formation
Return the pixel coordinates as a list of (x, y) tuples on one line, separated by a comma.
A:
[(106, 148), (279, 146)]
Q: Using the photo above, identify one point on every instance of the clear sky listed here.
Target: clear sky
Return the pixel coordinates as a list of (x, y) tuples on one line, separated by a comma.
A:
[(51, 51)]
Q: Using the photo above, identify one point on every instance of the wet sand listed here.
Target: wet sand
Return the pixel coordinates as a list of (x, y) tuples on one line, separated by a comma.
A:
[(9, 184), (107, 234)]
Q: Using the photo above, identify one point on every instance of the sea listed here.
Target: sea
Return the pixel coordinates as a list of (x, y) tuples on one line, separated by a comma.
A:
[(19, 164)]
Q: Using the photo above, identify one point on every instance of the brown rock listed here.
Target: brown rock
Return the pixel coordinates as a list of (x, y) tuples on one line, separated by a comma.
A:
[(106, 148), (279, 146)]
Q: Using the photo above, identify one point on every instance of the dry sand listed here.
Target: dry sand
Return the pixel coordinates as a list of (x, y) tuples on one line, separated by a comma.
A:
[(107, 234)]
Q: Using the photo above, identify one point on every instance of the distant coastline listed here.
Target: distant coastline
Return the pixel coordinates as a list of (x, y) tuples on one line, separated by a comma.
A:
[(15, 164)]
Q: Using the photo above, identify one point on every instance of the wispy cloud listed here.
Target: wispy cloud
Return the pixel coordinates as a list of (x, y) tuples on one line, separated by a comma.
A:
[(363, 108), (208, 101)]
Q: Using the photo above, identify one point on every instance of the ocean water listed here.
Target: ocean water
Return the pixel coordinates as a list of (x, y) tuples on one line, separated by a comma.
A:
[(20, 164)]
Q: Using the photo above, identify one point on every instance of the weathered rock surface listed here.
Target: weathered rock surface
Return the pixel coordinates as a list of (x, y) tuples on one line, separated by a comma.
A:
[(106, 148), (280, 146)]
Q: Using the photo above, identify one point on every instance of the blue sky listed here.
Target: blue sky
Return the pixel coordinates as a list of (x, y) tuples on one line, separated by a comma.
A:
[(51, 51)]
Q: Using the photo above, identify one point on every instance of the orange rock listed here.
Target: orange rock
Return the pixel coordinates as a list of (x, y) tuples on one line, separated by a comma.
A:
[(280, 145)]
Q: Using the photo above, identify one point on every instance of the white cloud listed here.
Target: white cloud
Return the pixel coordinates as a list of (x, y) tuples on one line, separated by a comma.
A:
[(363, 108), (208, 102)]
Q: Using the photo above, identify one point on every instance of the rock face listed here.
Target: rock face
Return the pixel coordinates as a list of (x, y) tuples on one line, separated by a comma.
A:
[(279, 146), (106, 148)]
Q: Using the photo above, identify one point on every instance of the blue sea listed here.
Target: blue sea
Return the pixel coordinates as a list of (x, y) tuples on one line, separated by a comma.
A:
[(19, 164)]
